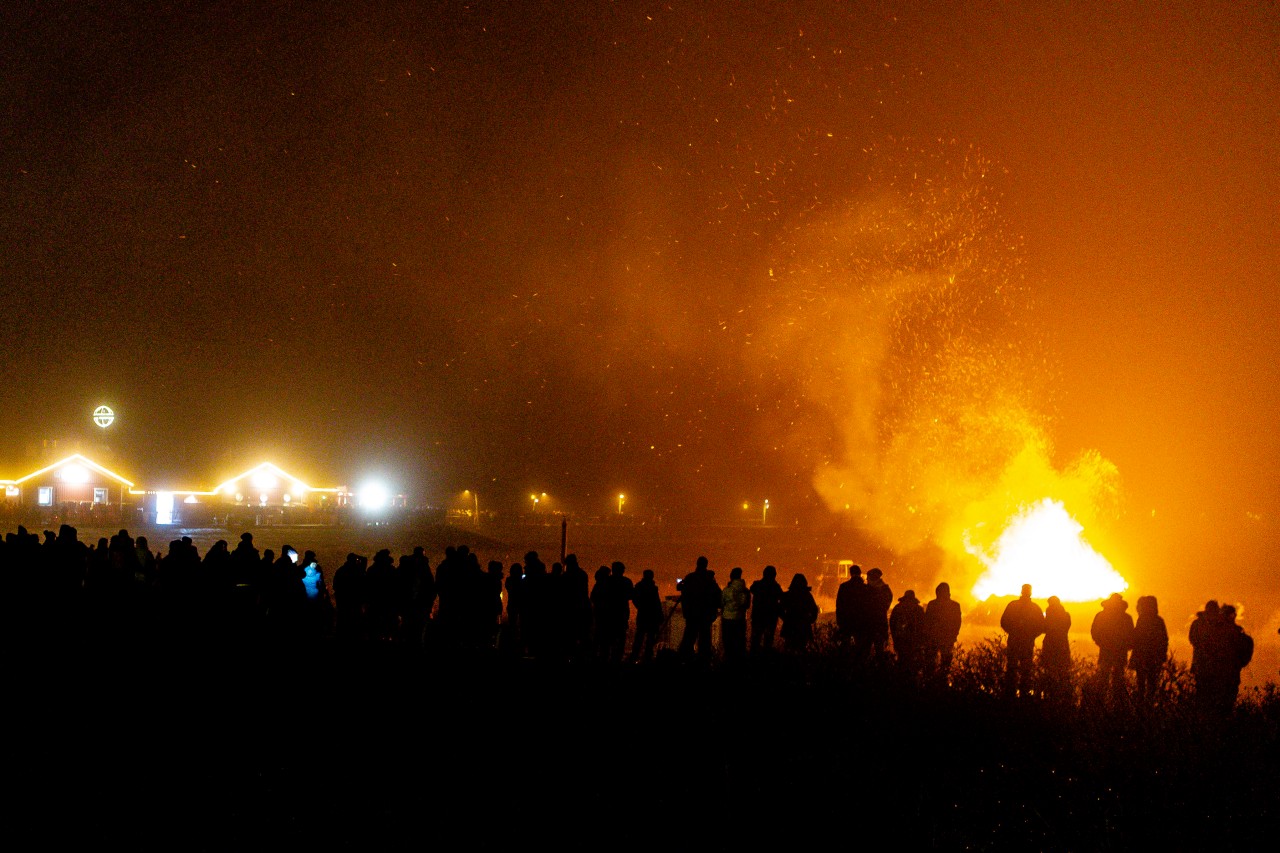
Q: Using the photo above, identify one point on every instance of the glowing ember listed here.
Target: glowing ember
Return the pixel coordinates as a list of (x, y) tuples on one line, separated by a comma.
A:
[(1043, 546)]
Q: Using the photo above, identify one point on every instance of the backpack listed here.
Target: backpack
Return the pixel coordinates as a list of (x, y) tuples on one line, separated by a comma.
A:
[(1244, 649)]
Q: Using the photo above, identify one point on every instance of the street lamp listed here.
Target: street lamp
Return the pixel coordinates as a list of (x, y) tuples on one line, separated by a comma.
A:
[(537, 499), (476, 497), (621, 498), (764, 514)]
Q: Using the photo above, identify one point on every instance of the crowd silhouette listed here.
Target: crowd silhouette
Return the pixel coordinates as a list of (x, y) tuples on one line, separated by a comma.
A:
[(119, 589)]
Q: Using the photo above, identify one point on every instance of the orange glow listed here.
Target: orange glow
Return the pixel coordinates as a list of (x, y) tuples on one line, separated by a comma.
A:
[(1044, 546), (264, 476)]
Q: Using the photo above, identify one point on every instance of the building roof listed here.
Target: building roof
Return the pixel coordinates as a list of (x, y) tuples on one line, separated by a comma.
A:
[(77, 459)]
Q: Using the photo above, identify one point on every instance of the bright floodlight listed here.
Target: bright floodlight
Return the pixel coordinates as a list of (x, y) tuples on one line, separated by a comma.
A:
[(265, 480), (75, 474), (374, 496)]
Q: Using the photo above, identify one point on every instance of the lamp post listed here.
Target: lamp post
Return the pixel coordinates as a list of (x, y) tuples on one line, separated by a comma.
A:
[(621, 498), (476, 497), (764, 514)]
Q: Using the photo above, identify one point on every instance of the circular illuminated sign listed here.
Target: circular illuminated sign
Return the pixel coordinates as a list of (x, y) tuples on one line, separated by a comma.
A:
[(104, 416)]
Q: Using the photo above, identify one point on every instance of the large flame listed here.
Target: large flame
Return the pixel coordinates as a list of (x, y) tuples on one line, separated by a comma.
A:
[(1045, 547)]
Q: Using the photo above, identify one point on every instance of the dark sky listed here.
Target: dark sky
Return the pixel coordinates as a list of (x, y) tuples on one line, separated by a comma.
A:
[(590, 247)]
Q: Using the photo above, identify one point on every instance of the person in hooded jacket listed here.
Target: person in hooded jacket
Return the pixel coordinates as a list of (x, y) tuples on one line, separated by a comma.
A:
[(1239, 649), (1150, 647), (906, 624)]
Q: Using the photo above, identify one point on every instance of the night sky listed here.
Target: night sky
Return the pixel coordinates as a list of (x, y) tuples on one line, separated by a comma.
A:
[(585, 248)]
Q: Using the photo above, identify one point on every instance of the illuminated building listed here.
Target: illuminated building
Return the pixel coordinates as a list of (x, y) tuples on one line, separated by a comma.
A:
[(77, 489), (75, 481)]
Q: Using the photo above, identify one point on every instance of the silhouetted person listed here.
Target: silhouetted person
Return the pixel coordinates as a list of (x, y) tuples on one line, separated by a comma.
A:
[(511, 641), (799, 613), (493, 593), (1239, 650), (416, 590), (942, 619), (906, 625), (879, 598), (1112, 630), (766, 610), (615, 613), (536, 618), (735, 600), (1023, 621), (349, 599), (1150, 647), (700, 604), (575, 609), (245, 577), (850, 604), (1055, 652), (1209, 653), (145, 572), (380, 597), (284, 595), (448, 617), (648, 603), (599, 595)]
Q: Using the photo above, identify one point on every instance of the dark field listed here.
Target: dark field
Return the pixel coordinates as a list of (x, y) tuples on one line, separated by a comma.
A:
[(375, 749)]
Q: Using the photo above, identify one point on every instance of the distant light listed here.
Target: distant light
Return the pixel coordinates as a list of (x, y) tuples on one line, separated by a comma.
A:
[(103, 416), (190, 499), (74, 474), (164, 507), (239, 497), (374, 496), (288, 498), (263, 497)]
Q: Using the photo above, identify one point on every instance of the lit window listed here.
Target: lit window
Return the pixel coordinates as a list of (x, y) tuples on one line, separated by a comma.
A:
[(44, 496), (99, 496)]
